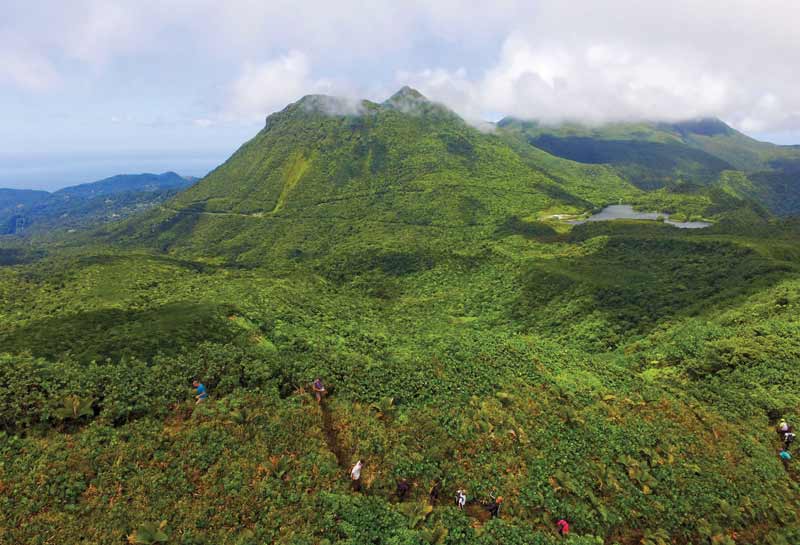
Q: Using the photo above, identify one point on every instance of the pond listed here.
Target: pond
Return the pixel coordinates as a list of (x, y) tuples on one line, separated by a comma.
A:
[(626, 212)]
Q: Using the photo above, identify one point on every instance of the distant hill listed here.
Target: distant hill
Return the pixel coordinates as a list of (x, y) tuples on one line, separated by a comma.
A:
[(13, 205), (22, 211), (123, 183), (655, 155)]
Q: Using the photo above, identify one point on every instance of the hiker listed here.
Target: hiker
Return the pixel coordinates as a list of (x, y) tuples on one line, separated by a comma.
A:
[(783, 427), (788, 439), (786, 457), (436, 489), (319, 389), (563, 527), (202, 395), (494, 507), (355, 476), (402, 489), (461, 498)]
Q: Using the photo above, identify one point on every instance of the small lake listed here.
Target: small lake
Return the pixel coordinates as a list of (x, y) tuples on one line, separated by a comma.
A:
[(626, 212)]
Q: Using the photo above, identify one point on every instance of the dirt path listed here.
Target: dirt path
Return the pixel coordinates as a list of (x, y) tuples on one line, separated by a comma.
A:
[(478, 512), (332, 438)]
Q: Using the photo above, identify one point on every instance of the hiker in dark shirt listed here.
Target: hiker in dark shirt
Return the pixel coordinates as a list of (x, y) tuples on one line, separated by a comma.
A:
[(319, 389), (402, 489), (494, 507), (436, 490)]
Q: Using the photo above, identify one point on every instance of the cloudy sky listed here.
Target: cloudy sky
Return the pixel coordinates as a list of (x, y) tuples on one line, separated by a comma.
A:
[(90, 88)]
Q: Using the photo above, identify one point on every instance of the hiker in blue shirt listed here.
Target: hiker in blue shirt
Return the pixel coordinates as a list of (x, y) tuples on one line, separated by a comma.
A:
[(785, 458), (202, 395)]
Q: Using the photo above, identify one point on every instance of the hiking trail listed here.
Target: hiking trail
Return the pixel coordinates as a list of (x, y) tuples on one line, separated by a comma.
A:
[(332, 438)]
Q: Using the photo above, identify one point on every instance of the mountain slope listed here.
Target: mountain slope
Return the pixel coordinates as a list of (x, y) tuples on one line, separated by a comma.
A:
[(656, 155), (647, 156), (323, 170)]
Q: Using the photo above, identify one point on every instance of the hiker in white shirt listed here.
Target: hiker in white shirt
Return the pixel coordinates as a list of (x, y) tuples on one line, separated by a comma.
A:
[(461, 498), (783, 427), (355, 476)]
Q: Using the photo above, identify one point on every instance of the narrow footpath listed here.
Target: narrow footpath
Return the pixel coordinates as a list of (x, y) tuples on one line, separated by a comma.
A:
[(332, 438)]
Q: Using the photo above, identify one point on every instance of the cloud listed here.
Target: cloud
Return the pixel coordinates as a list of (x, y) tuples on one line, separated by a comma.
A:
[(593, 60), (593, 83), (27, 71), (262, 88), (623, 60)]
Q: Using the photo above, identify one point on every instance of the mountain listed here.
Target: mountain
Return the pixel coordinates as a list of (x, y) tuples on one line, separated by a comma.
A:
[(653, 155), (339, 170), (344, 170), (626, 376), (124, 183), (13, 202), (87, 204)]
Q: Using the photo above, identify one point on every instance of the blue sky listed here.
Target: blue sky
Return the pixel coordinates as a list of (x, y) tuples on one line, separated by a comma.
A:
[(91, 88)]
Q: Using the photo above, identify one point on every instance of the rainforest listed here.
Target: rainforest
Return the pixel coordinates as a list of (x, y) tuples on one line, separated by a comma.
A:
[(625, 376)]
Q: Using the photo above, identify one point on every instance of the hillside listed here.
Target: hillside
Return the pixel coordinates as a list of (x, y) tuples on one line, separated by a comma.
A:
[(335, 171), (625, 375), (124, 183), (703, 152), (13, 202), (85, 205), (396, 168)]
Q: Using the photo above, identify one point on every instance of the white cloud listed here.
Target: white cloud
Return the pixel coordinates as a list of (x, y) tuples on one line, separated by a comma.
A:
[(265, 87), (551, 59), (620, 59), (603, 81), (27, 71)]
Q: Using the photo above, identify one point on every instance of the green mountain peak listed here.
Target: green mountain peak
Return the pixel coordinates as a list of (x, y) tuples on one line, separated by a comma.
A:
[(702, 126), (411, 101), (407, 93)]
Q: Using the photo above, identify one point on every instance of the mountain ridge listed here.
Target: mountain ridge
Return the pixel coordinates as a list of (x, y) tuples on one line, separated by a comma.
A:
[(653, 155), (406, 161), (86, 204), (410, 161)]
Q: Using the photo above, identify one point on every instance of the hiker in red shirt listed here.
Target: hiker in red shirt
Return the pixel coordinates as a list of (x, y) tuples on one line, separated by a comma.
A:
[(563, 527)]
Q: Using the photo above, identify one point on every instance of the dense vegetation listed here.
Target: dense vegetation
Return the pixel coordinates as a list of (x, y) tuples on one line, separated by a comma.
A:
[(699, 153), (626, 376)]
